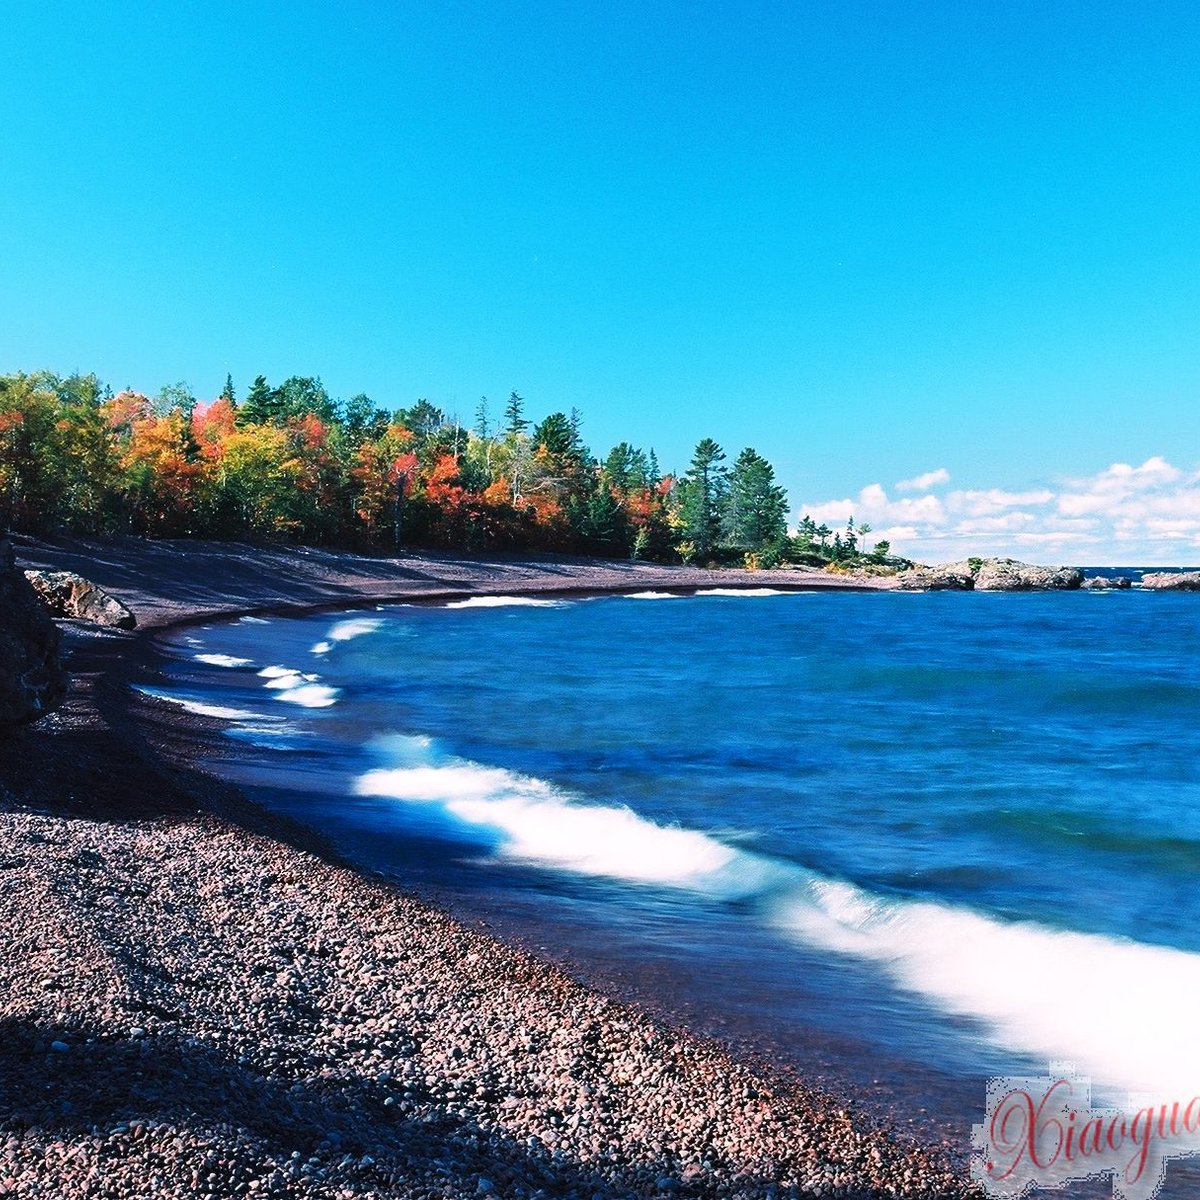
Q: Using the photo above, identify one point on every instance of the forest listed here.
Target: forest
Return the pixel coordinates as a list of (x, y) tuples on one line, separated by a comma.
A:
[(290, 463)]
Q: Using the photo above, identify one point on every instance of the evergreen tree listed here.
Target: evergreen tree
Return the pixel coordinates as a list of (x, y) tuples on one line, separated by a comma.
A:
[(261, 406), (423, 420), (556, 434), (755, 515), (626, 467), (227, 391), (702, 500), (514, 414), (482, 426), (303, 396)]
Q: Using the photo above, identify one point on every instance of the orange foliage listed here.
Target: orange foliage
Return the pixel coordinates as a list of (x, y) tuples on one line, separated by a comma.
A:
[(440, 487), (124, 408), (498, 492), (212, 427), (546, 509)]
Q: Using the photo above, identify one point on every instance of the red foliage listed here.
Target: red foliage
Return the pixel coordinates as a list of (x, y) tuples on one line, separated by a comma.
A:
[(212, 426), (440, 487)]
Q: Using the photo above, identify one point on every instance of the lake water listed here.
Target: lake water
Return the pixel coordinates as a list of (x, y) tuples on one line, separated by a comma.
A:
[(918, 838)]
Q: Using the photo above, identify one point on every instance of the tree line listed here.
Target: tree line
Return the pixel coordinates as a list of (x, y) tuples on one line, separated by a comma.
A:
[(287, 462)]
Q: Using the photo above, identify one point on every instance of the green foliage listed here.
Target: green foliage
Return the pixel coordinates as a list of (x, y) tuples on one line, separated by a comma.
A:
[(362, 420), (701, 500), (755, 511), (292, 463), (514, 414)]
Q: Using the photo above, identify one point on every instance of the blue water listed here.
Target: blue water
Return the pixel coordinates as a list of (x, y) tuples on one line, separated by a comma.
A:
[(960, 832)]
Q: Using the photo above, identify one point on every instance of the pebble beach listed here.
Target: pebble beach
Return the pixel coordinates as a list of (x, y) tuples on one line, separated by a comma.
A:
[(201, 1001)]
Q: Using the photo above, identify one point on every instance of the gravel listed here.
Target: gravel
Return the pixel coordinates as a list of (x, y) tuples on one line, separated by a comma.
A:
[(196, 1001)]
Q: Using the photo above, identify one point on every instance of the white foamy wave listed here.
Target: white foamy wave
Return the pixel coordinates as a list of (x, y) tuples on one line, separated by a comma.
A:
[(322, 648), (290, 679), (295, 687), (311, 695), (253, 621), (1123, 1011), (531, 821), (505, 602), (203, 710), (652, 596), (222, 660), (740, 592), (343, 631)]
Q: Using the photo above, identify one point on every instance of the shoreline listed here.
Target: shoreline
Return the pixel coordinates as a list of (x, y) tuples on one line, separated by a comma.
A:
[(264, 1019)]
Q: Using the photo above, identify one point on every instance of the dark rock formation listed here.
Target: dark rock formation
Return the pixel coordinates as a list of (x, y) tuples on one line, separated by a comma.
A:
[(1103, 583), (1172, 581), (69, 595), (33, 680)]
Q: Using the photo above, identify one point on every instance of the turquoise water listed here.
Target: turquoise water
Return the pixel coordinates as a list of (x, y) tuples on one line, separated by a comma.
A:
[(956, 831)]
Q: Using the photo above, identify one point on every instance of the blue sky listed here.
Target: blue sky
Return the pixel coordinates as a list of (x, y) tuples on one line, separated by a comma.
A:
[(871, 240)]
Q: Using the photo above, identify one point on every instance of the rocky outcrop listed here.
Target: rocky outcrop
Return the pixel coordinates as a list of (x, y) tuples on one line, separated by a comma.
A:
[(952, 577), (33, 680), (1105, 583), (69, 595), (1009, 575), (989, 575), (1172, 581)]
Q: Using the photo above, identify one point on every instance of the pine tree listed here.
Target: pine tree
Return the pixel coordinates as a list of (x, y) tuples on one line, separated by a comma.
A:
[(755, 515), (703, 497), (227, 391), (482, 425), (261, 405), (514, 414)]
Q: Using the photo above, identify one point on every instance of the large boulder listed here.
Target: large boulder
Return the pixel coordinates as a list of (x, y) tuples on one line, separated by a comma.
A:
[(1172, 581), (66, 594), (1009, 575), (1107, 583), (951, 577), (33, 680)]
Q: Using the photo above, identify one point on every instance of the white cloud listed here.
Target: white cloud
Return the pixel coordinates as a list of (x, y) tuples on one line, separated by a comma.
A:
[(922, 483), (994, 500), (876, 508), (1124, 515)]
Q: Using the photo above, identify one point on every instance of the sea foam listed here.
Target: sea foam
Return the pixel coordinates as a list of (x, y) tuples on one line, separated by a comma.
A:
[(201, 709), (343, 631), (295, 687), (222, 660), (529, 820), (742, 592), (1121, 1010), (505, 602)]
